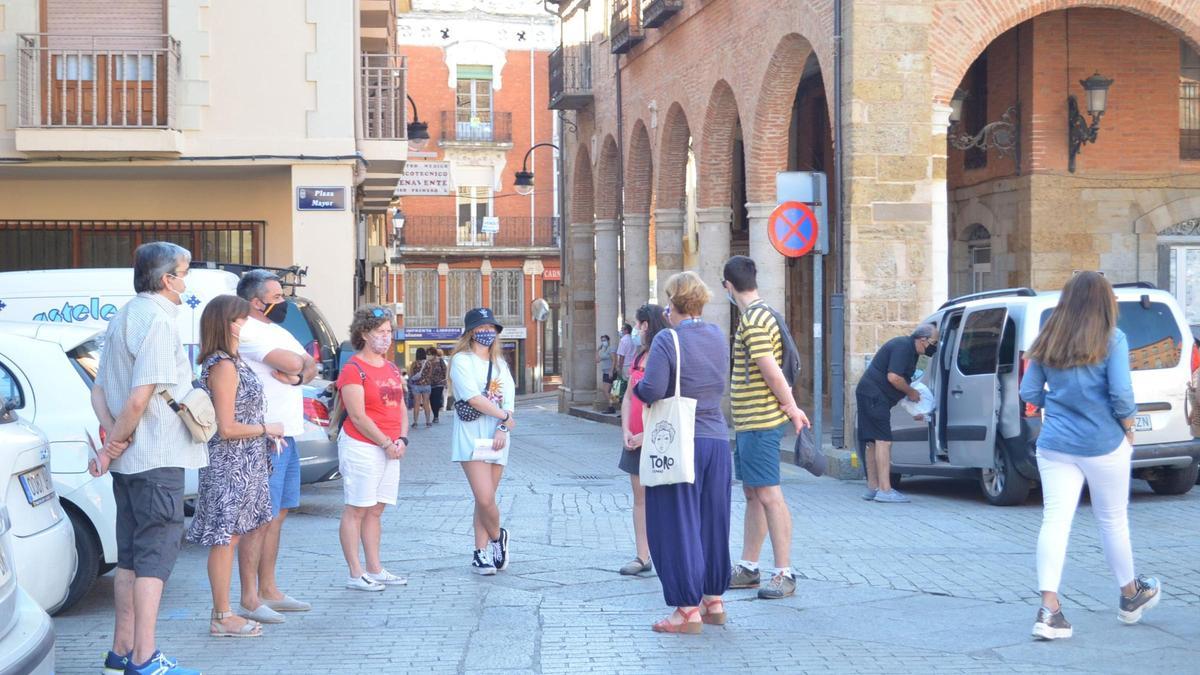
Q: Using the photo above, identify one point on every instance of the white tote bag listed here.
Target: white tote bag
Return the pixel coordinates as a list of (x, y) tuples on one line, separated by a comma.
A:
[(669, 440)]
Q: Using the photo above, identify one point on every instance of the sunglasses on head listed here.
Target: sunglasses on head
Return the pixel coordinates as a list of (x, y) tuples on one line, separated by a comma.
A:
[(379, 312)]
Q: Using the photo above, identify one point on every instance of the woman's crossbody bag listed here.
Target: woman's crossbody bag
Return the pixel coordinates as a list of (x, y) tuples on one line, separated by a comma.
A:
[(464, 410)]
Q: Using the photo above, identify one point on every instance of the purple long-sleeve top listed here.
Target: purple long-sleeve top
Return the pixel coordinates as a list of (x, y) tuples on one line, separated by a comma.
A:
[(704, 375)]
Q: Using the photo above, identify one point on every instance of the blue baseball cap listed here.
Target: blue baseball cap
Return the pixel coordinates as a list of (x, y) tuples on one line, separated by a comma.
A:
[(480, 316)]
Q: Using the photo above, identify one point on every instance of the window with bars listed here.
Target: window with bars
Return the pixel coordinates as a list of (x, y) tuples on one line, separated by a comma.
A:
[(508, 296), (421, 298), (463, 293), (1189, 102)]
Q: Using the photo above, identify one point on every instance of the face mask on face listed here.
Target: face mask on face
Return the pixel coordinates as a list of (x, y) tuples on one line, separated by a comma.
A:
[(485, 337), (635, 334), (276, 312), (380, 343), (180, 291), (930, 349)]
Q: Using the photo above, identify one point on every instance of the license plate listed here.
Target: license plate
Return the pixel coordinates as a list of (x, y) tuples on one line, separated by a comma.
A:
[(1142, 423), (37, 485)]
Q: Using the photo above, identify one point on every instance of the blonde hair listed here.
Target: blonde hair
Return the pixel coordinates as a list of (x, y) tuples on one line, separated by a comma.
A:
[(688, 293), (1078, 330), (464, 345)]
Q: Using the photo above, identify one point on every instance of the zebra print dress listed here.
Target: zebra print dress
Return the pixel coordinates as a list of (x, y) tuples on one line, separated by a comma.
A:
[(234, 494)]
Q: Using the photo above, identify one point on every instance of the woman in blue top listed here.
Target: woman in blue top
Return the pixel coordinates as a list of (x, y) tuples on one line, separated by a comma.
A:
[(1079, 374)]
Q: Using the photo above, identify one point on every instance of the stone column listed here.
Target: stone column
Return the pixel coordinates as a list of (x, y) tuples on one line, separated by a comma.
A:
[(668, 245), (772, 266), (637, 262), (580, 368), (712, 224), (939, 203), (606, 290)]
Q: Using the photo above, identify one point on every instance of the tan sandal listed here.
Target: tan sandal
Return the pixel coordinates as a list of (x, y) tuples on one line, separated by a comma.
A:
[(712, 618), (688, 626), (248, 629)]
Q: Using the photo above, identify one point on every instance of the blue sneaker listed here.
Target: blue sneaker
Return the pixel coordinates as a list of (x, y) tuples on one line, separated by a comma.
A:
[(159, 664), (115, 664)]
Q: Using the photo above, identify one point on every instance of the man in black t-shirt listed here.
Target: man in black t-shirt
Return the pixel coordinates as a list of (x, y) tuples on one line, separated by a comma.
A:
[(883, 385)]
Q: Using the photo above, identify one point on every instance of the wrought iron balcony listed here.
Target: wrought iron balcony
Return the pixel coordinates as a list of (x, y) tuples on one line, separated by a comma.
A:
[(97, 81), (447, 231), (472, 127), (656, 12), (384, 109), (571, 77), (625, 31)]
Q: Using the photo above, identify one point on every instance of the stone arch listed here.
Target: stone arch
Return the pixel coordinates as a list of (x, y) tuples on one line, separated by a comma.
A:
[(672, 165), (583, 196), (1168, 215), (639, 170), (716, 172), (608, 188), (962, 29), (773, 114)]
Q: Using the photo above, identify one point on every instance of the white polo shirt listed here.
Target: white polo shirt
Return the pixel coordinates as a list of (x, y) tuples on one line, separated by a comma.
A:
[(285, 403)]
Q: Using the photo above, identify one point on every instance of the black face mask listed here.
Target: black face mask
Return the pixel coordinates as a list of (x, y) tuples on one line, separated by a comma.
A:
[(276, 312), (930, 350)]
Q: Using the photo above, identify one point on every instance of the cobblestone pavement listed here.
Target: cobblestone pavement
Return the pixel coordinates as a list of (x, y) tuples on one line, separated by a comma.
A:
[(939, 585)]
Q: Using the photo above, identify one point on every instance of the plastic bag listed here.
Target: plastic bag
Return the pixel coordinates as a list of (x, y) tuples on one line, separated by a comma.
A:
[(923, 407)]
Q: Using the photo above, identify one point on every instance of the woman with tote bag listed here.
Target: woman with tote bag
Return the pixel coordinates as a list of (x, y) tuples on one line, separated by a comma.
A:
[(688, 522)]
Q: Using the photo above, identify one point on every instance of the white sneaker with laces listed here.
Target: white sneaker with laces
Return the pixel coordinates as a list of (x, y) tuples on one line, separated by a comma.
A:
[(364, 583), (387, 578)]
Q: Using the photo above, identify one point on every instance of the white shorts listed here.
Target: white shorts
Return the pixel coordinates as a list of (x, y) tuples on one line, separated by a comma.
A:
[(368, 476)]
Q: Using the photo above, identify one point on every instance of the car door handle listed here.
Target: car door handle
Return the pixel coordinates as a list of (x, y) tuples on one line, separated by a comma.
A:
[(956, 392)]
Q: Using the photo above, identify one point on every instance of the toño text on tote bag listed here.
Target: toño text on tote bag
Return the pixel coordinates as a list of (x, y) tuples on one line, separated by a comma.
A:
[(669, 443)]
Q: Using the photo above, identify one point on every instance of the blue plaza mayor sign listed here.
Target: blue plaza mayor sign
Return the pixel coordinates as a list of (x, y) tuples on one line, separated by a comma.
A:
[(320, 199)]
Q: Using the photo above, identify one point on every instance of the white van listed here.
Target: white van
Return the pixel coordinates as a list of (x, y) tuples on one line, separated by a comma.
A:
[(90, 297)]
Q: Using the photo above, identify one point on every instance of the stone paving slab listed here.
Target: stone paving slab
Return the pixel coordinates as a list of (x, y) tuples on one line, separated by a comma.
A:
[(942, 585)]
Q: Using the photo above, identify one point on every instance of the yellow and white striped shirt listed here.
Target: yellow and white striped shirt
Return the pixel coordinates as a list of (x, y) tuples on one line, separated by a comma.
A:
[(754, 404)]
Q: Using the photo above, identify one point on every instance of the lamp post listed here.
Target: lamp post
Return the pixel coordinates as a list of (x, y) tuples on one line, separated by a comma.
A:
[(1078, 129), (418, 131), (523, 179), (1003, 135)]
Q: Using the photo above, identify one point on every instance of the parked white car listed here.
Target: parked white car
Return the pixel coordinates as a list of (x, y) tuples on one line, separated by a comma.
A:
[(43, 545), (26, 632)]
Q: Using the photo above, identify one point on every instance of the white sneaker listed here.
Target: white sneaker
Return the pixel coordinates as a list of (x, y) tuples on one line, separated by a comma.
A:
[(364, 583), (387, 578)]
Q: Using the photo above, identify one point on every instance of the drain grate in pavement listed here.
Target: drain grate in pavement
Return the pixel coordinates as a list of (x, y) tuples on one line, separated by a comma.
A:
[(590, 476)]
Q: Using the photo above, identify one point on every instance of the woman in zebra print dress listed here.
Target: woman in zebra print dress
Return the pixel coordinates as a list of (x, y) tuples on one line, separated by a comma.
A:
[(234, 497)]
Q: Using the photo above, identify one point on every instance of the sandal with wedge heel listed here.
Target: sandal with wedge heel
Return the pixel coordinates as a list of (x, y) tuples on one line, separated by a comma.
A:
[(216, 629), (688, 626), (710, 617)]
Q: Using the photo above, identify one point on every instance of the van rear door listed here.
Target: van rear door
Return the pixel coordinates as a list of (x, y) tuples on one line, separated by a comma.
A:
[(973, 389), (1157, 368)]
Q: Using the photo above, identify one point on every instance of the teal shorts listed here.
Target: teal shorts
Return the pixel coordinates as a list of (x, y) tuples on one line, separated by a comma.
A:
[(756, 456)]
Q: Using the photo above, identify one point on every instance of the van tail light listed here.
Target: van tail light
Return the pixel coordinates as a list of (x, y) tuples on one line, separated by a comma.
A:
[(314, 350), (1195, 356), (1027, 409), (316, 412)]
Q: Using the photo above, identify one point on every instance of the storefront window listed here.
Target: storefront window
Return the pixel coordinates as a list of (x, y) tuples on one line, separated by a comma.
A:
[(63, 244)]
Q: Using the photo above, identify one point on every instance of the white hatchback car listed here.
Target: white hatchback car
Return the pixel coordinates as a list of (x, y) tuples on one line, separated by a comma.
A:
[(26, 632), (43, 546)]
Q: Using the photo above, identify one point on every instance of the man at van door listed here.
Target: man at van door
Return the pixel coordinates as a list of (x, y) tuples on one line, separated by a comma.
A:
[(147, 448), (283, 366), (884, 383)]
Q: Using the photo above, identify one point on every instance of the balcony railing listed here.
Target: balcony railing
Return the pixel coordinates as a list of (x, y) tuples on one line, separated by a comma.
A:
[(476, 127), (571, 77), (625, 31), (445, 231), (384, 106), (104, 81), (656, 12)]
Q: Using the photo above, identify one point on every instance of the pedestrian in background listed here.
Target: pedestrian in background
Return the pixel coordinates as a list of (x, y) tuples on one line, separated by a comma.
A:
[(650, 320), (762, 405), (1079, 373), (484, 394), (283, 366), (688, 523), (235, 493), (420, 383), (604, 358), (371, 445), (147, 448), (437, 382), (626, 348), (887, 380)]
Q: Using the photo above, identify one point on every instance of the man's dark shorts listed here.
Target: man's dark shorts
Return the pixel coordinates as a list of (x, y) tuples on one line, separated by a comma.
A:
[(756, 456), (149, 520), (874, 420)]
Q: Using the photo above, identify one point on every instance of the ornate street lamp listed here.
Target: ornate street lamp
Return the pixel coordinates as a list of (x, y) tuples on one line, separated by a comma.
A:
[(418, 131), (1078, 129), (1003, 135), (523, 179)]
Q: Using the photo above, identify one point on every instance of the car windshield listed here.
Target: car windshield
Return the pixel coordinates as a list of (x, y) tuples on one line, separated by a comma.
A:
[(86, 360), (1154, 338)]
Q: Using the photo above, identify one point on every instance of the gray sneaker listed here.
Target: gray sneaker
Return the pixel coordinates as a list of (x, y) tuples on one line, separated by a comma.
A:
[(892, 496), (744, 578), (1051, 625), (869, 495), (636, 566), (1149, 592), (780, 586)]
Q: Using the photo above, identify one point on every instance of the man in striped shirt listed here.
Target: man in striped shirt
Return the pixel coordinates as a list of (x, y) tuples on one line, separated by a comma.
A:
[(763, 405)]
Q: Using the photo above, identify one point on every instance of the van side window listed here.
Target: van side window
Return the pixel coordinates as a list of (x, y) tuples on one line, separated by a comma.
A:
[(1154, 338), (980, 341), (9, 389)]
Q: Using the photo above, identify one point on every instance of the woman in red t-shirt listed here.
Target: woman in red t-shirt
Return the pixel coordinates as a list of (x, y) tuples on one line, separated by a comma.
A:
[(650, 321), (372, 441)]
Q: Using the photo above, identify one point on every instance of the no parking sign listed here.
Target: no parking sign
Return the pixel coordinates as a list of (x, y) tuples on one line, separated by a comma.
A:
[(793, 229)]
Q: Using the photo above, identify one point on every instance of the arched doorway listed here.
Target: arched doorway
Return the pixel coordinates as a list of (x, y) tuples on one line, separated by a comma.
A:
[(670, 208)]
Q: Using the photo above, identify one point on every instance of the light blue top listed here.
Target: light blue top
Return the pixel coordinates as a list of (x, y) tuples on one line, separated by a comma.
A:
[(1083, 405)]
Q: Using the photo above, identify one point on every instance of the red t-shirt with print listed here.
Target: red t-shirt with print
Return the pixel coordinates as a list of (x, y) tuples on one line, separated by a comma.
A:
[(383, 396)]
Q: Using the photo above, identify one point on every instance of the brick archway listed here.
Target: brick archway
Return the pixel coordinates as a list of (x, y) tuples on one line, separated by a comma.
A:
[(716, 147), (772, 116), (608, 190), (962, 29), (672, 165), (639, 171)]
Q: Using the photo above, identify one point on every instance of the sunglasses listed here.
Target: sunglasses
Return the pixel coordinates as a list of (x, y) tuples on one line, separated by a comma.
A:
[(379, 312)]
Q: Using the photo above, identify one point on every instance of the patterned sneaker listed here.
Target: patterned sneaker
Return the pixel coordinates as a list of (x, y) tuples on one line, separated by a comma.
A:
[(500, 550), (744, 577), (387, 578), (1149, 592), (115, 664), (159, 664), (1051, 625), (482, 563), (780, 586)]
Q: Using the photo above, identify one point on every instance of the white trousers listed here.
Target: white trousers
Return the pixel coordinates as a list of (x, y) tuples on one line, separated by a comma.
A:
[(1063, 476)]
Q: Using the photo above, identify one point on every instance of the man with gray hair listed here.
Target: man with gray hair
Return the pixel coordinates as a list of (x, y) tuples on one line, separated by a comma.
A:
[(147, 448), (885, 382), (283, 366)]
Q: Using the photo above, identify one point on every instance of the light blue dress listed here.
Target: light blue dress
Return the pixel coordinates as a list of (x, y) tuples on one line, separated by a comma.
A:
[(468, 373)]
